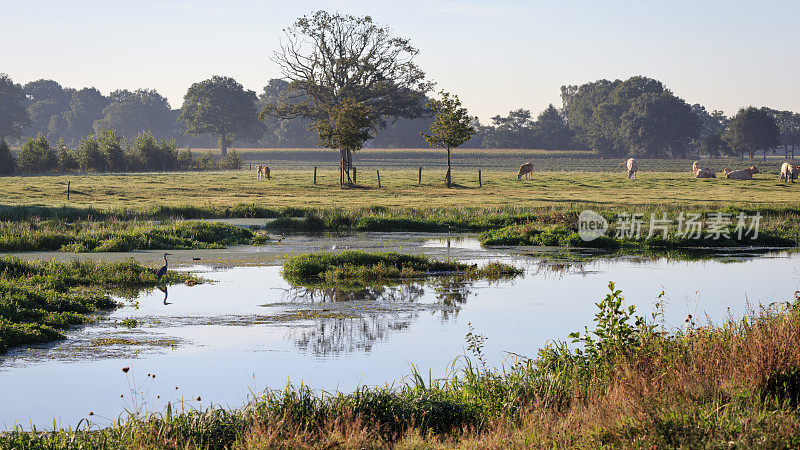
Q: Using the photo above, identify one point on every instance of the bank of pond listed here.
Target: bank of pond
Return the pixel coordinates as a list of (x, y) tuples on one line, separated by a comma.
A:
[(85, 230)]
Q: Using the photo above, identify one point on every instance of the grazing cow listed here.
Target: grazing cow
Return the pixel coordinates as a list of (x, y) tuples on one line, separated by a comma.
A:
[(788, 172), (633, 167), (263, 172), (702, 172), (525, 170), (744, 174)]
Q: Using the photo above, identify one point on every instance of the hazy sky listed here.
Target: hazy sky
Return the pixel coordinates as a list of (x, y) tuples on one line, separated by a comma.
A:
[(496, 55)]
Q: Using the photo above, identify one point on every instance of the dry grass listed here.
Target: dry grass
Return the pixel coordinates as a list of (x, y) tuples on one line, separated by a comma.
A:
[(295, 188)]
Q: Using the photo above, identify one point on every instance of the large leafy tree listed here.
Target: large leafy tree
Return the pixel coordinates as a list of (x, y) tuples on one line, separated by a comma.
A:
[(659, 124), (346, 127), (132, 112), (219, 106), (283, 132), (712, 127), (85, 107), (752, 129), (13, 115), (551, 130), (45, 99), (596, 111), (789, 125), (330, 58), (513, 131), (451, 126)]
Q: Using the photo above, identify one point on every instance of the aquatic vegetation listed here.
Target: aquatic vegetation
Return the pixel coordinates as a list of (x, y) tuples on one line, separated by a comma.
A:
[(356, 268), (774, 232), (115, 236), (40, 299)]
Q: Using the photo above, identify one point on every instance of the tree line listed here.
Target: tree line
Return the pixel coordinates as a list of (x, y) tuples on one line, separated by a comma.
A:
[(373, 74), (108, 152)]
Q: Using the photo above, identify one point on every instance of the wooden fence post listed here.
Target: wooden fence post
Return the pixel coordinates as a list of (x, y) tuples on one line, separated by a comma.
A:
[(379, 178), (479, 178), (68, 186), (354, 175), (419, 180), (315, 174)]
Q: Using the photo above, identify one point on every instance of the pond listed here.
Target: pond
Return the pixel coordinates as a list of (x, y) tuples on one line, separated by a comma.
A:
[(250, 330)]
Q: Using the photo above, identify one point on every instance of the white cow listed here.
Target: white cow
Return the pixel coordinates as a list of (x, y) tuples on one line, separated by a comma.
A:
[(744, 174), (633, 167), (702, 172), (788, 172)]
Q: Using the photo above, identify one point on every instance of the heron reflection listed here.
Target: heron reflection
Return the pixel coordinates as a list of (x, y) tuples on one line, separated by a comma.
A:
[(163, 288)]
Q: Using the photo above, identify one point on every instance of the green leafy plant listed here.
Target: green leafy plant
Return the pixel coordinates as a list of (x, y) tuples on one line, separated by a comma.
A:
[(617, 330)]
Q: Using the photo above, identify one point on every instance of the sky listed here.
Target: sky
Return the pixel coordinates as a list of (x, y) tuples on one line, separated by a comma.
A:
[(495, 55)]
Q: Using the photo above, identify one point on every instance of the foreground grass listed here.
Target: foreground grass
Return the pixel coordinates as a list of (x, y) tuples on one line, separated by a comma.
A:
[(116, 236), (356, 268), (41, 299), (736, 384)]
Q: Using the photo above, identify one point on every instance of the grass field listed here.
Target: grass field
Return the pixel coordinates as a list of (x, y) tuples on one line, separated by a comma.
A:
[(295, 188)]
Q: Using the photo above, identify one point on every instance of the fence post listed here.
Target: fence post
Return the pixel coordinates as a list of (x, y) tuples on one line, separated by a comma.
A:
[(479, 178), (315, 174), (68, 186), (379, 178), (354, 175), (419, 180)]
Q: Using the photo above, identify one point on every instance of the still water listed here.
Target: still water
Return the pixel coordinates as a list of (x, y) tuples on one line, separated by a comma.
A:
[(250, 330)]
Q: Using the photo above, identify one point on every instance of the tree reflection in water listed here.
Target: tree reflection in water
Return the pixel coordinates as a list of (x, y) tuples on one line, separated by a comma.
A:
[(372, 313)]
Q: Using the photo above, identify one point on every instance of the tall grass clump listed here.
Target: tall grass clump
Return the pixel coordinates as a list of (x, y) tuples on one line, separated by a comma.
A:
[(116, 236), (357, 268)]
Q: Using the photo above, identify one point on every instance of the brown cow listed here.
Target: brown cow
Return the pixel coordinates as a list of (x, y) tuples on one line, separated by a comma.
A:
[(263, 172), (744, 174), (525, 170)]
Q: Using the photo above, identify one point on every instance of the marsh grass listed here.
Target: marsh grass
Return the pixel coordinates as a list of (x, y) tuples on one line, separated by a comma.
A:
[(732, 384), (117, 236), (358, 269), (41, 299), (777, 228)]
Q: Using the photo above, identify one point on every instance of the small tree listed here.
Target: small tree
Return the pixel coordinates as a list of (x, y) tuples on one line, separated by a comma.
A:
[(89, 155), (219, 106), (346, 128), (451, 126), (7, 163), (66, 157), (112, 151), (37, 156), (752, 129)]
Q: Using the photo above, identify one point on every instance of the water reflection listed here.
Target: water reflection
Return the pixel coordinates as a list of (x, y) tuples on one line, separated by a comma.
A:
[(163, 288), (371, 314), (347, 335)]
